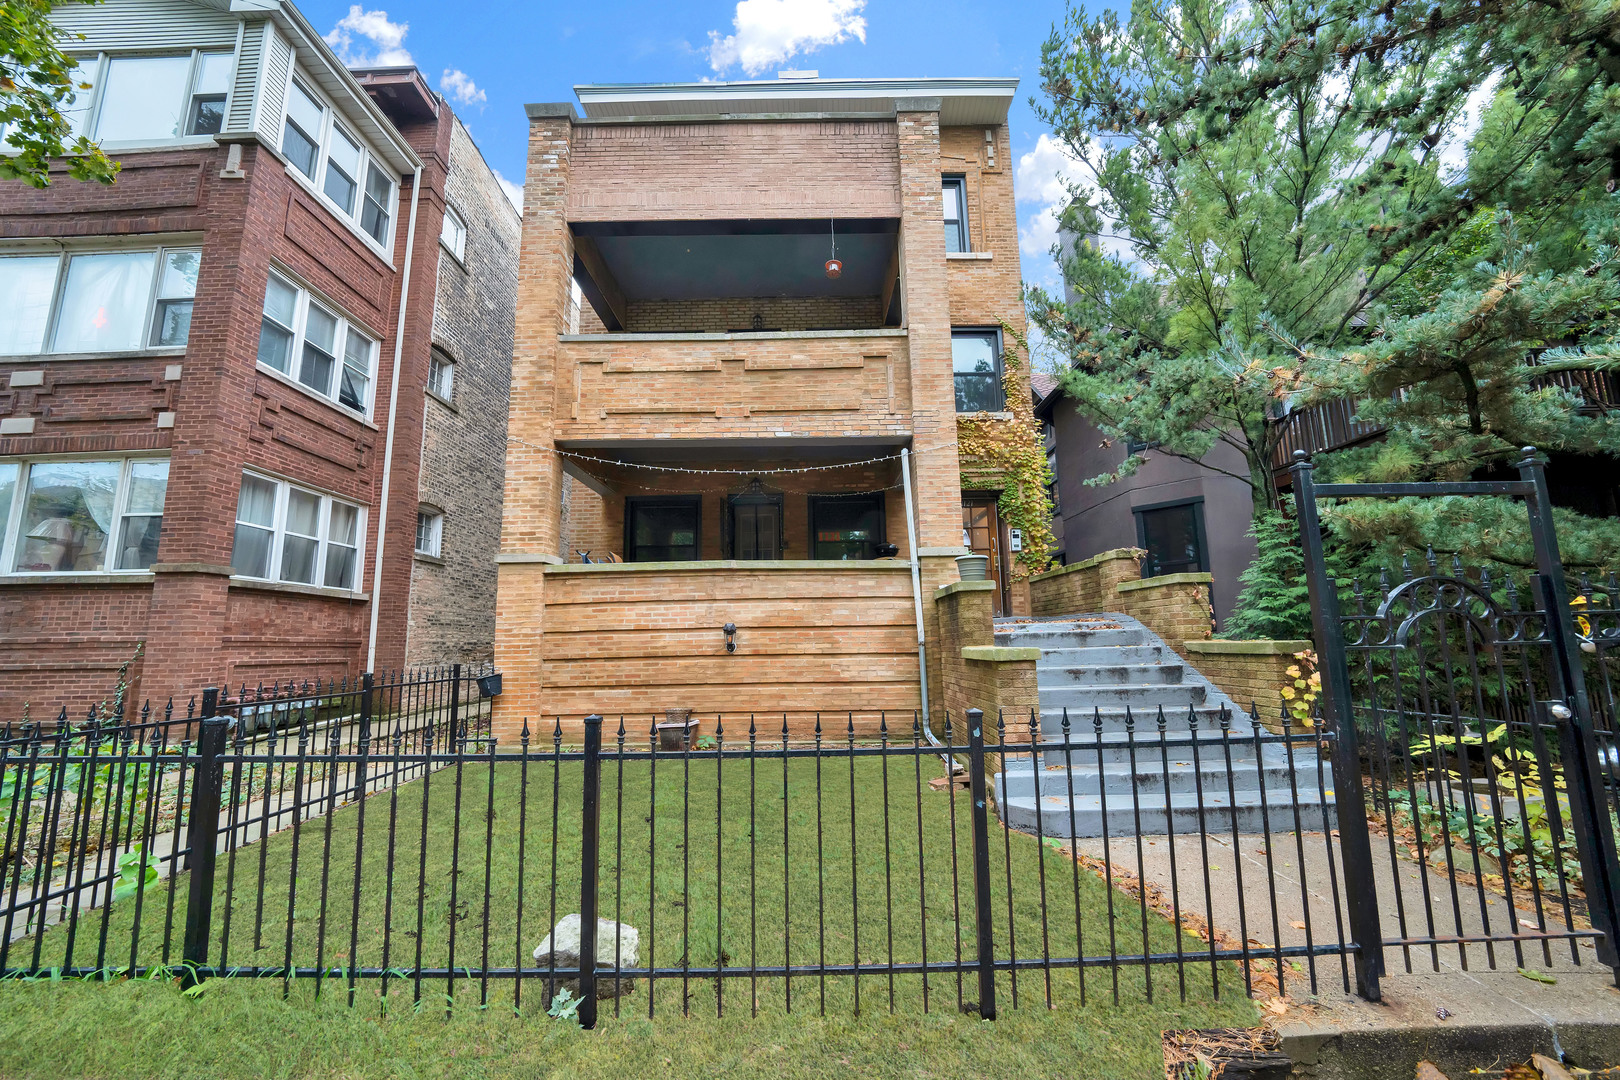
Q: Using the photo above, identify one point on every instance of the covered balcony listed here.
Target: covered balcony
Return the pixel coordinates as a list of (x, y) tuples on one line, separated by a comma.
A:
[(735, 329)]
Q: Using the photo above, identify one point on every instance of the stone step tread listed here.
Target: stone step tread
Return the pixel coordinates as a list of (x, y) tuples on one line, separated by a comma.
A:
[(1276, 802)]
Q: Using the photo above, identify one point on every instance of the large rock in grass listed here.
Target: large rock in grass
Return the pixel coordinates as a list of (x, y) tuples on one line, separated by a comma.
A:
[(616, 943)]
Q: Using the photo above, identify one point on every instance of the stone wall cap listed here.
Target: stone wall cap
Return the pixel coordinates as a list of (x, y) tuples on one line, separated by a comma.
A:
[(527, 557), (710, 565), (942, 552), (1000, 654), (552, 110), (963, 586), (1252, 647), (1086, 564), (1164, 580)]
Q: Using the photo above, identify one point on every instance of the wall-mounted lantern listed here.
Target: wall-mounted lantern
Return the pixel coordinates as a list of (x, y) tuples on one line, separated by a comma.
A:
[(731, 636)]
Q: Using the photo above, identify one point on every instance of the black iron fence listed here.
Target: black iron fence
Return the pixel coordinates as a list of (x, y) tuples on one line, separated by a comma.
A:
[(1476, 717), (751, 868)]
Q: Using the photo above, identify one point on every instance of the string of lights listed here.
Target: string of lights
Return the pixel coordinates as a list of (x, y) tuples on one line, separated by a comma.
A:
[(795, 470)]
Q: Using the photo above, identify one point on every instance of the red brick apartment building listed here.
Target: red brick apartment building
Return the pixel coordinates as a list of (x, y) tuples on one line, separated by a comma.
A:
[(217, 374), (727, 416)]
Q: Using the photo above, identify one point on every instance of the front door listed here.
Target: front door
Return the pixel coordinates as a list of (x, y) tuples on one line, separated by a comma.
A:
[(981, 534)]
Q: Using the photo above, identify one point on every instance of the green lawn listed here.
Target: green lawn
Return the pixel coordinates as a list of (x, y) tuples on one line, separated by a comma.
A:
[(819, 875)]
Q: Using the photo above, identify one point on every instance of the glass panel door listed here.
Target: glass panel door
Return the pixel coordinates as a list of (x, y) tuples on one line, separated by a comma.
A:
[(981, 534)]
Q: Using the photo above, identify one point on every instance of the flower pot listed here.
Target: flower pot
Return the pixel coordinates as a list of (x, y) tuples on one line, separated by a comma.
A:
[(676, 732), (973, 567)]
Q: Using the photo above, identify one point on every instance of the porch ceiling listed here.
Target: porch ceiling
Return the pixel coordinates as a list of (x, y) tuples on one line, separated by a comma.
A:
[(698, 452), (692, 260)]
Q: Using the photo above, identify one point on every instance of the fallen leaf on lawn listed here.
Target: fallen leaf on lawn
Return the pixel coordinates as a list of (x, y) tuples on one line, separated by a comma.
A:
[(1297, 924), (1427, 1071), (1550, 1069), (1528, 925), (1277, 1006), (1538, 976)]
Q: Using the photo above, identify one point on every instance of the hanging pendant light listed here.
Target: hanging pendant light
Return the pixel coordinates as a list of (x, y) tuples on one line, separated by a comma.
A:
[(834, 267)]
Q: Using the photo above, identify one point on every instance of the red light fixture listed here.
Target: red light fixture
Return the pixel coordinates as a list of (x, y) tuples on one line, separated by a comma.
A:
[(834, 267)]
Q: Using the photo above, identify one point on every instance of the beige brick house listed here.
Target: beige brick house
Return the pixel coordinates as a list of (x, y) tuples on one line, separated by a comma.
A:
[(695, 393)]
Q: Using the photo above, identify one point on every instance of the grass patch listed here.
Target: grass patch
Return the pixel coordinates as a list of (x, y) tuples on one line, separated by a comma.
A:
[(715, 868)]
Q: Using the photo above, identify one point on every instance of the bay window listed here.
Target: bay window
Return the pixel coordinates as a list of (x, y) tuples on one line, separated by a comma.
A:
[(81, 516), (349, 176), (302, 338), (292, 534), (97, 301)]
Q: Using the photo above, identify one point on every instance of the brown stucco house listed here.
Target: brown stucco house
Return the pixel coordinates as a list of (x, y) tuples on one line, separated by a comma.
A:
[(699, 394), (222, 398)]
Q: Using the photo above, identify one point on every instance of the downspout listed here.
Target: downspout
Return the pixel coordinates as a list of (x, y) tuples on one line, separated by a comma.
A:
[(916, 601), (393, 413)]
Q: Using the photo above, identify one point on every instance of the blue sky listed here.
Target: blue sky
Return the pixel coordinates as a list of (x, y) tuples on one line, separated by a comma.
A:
[(491, 58)]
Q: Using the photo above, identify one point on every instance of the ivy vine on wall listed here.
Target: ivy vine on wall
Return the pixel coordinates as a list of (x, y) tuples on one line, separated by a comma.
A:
[(1013, 450)]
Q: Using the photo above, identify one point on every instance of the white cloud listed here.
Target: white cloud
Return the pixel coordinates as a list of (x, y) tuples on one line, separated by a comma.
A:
[(771, 31), (458, 86), (1042, 181), (514, 192), (375, 32)]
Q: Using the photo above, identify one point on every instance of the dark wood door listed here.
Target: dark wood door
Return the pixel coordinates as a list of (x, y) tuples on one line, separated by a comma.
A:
[(982, 535)]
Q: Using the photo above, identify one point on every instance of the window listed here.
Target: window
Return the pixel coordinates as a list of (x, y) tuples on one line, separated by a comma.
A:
[(81, 516), (104, 301), (147, 99), (341, 167), (1052, 484), (441, 375), (453, 234), (1173, 535), (429, 532), (755, 524), (662, 528), (302, 339), (954, 200), (976, 359), (287, 533), (846, 526)]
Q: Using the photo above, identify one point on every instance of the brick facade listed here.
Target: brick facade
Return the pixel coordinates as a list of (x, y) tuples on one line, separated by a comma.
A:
[(1174, 606), (1251, 673), (718, 388), (452, 612), (977, 674), (212, 411)]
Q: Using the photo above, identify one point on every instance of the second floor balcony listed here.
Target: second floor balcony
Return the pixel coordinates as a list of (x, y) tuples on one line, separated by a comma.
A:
[(735, 329)]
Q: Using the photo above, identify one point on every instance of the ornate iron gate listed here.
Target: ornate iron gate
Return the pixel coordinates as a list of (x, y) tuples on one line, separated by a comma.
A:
[(1476, 775)]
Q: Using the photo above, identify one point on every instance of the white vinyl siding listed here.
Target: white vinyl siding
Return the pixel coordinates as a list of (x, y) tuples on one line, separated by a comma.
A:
[(146, 25)]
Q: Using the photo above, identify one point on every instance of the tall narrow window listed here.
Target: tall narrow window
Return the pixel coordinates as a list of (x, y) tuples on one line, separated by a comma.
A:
[(953, 192), (976, 361), (429, 532), (301, 541), (441, 375), (143, 515), (453, 234), (756, 524), (177, 287), (208, 93), (662, 528), (342, 546), (301, 137), (276, 328), (27, 286), (342, 167), (1173, 536), (846, 526), (379, 197), (255, 527)]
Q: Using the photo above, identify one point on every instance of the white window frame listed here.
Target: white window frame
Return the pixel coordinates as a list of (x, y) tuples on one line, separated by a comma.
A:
[(435, 548), (64, 255), (278, 534), (99, 63), (456, 226), (346, 325), (316, 184), (439, 360), (10, 527)]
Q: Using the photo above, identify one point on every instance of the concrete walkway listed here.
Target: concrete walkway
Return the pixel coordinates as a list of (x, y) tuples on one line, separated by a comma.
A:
[(1460, 1006)]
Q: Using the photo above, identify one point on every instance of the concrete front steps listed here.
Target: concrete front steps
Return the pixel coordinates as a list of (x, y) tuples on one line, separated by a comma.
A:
[(1110, 691)]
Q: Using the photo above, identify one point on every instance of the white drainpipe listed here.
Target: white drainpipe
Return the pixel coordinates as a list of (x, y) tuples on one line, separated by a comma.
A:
[(916, 595), (393, 413)]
